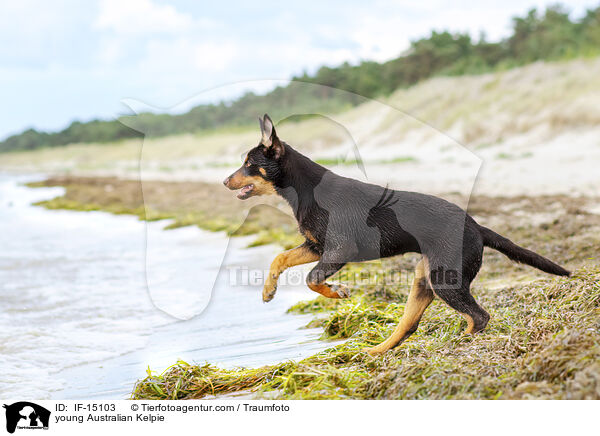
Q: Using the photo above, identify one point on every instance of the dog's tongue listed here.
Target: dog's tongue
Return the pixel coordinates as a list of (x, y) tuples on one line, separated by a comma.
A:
[(245, 191)]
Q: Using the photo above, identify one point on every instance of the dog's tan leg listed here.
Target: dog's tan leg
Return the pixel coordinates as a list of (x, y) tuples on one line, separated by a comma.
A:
[(475, 325), (330, 291), (321, 272), (419, 298), (296, 256), (470, 323)]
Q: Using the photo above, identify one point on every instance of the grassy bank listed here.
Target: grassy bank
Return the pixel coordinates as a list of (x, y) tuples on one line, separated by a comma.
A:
[(543, 340)]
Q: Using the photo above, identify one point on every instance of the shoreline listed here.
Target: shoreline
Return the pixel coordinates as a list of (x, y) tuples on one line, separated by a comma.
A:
[(98, 306), (207, 206), (513, 358)]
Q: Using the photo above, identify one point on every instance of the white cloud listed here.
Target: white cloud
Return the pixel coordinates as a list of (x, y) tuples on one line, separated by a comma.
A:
[(34, 33), (379, 39), (159, 40), (110, 50), (209, 56), (187, 55), (140, 17)]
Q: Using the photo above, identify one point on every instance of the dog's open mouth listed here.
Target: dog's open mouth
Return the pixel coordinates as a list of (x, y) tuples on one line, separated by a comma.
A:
[(245, 192)]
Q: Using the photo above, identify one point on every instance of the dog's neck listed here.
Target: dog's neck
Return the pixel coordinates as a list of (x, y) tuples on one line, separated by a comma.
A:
[(298, 179)]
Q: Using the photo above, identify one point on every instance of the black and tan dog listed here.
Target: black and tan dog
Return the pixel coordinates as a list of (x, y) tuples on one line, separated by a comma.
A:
[(345, 220)]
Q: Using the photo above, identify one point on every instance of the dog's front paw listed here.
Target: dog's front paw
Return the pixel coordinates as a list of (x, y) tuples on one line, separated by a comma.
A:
[(342, 290), (269, 293)]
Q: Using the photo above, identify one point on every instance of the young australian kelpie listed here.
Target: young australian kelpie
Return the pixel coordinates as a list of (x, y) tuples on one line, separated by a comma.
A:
[(345, 220)]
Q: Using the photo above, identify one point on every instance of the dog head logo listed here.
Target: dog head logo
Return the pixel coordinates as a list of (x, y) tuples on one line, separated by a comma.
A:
[(26, 415)]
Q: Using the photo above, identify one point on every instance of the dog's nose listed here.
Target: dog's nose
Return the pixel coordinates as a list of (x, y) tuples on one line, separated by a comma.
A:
[(226, 181)]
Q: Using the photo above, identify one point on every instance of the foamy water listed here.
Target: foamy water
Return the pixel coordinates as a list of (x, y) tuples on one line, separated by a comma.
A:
[(77, 319)]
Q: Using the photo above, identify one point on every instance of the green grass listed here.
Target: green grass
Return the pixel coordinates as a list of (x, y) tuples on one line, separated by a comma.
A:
[(543, 342), (285, 239), (206, 206), (543, 339)]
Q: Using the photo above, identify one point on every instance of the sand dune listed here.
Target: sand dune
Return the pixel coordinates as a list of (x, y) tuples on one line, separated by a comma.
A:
[(530, 130)]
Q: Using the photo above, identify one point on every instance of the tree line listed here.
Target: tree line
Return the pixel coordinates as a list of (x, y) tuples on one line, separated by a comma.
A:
[(539, 35)]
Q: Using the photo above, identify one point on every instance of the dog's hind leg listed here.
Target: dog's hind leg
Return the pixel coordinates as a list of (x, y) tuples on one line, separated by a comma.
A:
[(296, 256), (321, 272), (419, 298), (463, 302), (457, 294)]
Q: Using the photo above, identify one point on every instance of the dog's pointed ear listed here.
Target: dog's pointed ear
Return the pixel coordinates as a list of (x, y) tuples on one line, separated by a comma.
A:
[(267, 130), (262, 127), (269, 137)]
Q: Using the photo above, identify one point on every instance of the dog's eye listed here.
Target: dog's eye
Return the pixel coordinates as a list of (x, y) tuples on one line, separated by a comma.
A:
[(248, 164)]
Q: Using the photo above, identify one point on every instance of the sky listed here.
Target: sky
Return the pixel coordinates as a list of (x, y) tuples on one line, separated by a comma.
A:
[(66, 60)]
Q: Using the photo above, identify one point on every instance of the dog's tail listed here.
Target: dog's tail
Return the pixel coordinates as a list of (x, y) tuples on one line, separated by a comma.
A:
[(519, 254)]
